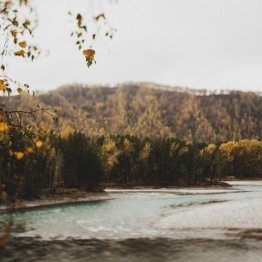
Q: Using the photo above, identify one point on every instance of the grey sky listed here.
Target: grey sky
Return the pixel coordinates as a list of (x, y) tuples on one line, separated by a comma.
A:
[(213, 44)]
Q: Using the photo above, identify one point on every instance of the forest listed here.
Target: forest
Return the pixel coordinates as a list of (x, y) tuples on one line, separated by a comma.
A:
[(32, 167), (126, 136), (147, 110)]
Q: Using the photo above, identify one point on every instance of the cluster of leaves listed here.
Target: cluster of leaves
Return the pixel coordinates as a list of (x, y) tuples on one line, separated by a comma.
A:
[(87, 33), (21, 148), (18, 21), (24, 161)]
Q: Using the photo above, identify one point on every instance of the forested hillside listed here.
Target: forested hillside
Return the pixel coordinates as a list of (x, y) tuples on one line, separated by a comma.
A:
[(151, 110), (130, 135)]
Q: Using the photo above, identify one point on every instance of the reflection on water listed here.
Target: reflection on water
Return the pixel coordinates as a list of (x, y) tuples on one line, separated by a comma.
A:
[(166, 225), (134, 250)]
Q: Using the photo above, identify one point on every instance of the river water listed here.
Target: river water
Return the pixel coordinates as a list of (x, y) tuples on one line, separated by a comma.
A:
[(146, 225)]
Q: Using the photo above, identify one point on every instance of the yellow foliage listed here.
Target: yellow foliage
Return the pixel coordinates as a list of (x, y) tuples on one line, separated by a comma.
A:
[(3, 84), (66, 131), (38, 143), (208, 150), (29, 150), (127, 146), (23, 44), (211, 148), (19, 155), (109, 154), (20, 53), (227, 149), (145, 152), (89, 54), (4, 127)]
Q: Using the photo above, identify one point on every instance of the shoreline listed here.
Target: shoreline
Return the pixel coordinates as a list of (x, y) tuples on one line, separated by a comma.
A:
[(54, 201), (76, 196)]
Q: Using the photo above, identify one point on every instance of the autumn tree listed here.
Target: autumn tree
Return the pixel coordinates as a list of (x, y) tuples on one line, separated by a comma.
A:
[(18, 22)]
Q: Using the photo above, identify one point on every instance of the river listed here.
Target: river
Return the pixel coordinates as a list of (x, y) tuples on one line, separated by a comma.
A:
[(146, 225)]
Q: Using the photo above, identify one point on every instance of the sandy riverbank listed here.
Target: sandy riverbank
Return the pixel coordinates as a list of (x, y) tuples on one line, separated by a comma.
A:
[(63, 198)]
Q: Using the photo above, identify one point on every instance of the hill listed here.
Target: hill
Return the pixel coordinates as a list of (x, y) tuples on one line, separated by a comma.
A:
[(144, 109)]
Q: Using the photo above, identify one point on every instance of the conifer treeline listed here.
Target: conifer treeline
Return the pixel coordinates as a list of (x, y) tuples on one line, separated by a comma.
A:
[(78, 161)]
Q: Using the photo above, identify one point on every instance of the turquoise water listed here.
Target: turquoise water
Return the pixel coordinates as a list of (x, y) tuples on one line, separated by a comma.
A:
[(165, 225)]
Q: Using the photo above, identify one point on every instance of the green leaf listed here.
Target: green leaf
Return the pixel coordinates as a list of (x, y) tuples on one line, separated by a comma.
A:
[(19, 90)]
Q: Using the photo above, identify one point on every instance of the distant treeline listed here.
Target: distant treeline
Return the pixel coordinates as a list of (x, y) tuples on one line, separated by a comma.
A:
[(78, 161), (148, 110)]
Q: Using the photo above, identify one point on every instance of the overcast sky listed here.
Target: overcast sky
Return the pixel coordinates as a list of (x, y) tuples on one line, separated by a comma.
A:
[(212, 44)]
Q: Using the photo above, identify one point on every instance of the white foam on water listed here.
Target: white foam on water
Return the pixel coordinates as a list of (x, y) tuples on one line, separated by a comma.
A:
[(233, 214), (245, 183), (164, 191)]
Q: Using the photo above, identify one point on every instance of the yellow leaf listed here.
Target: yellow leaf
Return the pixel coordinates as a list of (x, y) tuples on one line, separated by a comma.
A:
[(4, 127), (38, 143), (2, 85), (29, 150), (19, 155), (20, 53), (89, 54), (23, 44)]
